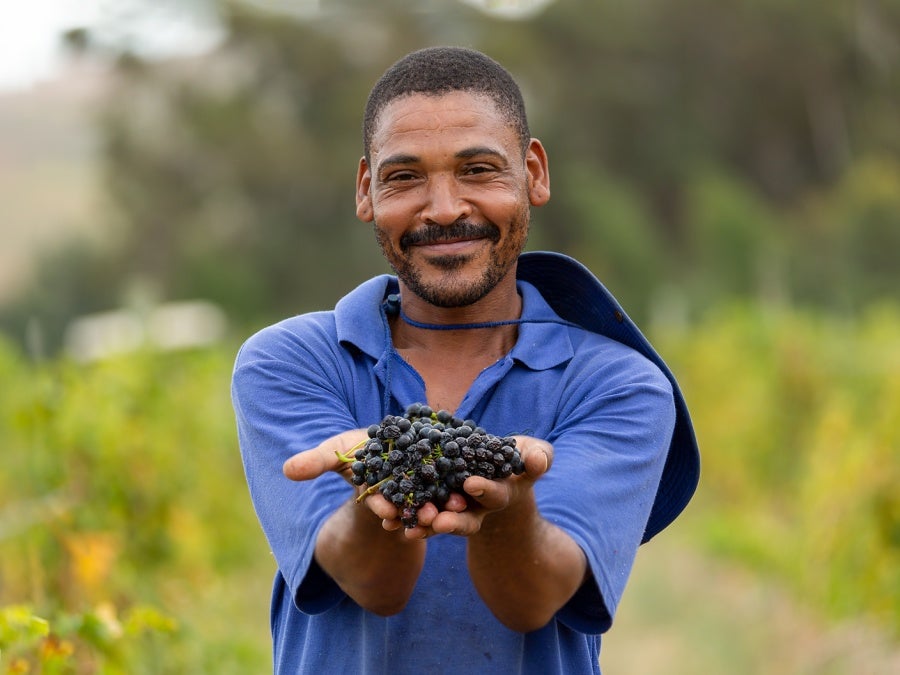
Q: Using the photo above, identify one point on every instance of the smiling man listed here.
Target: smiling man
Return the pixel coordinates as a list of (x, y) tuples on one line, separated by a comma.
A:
[(519, 575), (454, 167)]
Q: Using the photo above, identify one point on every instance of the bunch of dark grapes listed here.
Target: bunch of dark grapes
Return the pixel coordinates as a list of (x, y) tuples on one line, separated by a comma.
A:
[(425, 455)]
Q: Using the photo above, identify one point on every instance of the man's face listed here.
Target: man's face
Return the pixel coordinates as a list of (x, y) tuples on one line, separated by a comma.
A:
[(449, 192)]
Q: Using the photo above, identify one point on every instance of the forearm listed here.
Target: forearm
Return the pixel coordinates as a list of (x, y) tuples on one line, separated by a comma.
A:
[(524, 568), (376, 568)]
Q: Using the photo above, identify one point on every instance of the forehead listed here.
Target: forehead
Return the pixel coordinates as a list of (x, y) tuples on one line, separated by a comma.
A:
[(421, 117)]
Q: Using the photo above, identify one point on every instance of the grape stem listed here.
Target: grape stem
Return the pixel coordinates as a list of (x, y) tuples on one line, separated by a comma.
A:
[(349, 456), (372, 489)]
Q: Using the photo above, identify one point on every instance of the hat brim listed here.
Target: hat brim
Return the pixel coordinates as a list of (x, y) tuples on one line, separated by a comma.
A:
[(576, 295)]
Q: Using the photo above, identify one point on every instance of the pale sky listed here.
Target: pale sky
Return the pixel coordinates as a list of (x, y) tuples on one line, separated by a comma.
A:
[(30, 32), (29, 37)]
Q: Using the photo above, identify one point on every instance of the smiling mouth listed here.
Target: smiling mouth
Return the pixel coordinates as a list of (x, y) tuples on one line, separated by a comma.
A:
[(458, 235), (449, 248)]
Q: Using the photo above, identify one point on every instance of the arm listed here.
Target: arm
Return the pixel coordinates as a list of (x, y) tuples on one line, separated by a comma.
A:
[(292, 414), (523, 567), (360, 548), (375, 567), (538, 540)]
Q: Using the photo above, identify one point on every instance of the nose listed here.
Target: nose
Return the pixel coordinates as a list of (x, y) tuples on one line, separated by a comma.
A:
[(445, 201)]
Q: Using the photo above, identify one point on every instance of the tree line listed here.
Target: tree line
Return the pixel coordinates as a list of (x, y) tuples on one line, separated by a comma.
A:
[(701, 152)]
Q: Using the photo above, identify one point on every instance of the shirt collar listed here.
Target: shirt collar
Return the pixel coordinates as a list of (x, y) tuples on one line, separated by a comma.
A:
[(361, 321), (543, 342)]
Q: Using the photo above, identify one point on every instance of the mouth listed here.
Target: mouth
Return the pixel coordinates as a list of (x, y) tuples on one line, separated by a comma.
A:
[(444, 240), (450, 247)]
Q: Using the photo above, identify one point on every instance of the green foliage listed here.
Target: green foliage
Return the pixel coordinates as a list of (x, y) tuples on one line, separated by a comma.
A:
[(798, 418), (119, 518), (19, 626), (735, 241), (730, 150), (72, 278), (128, 544), (845, 253), (612, 232), (95, 641), (235, 179)]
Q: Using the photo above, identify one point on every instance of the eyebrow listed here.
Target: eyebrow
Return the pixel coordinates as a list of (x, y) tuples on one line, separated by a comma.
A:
[(397, 159), (467, 153)]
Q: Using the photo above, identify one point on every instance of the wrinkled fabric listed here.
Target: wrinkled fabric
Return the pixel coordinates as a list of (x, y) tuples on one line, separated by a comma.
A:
[(607, 410)]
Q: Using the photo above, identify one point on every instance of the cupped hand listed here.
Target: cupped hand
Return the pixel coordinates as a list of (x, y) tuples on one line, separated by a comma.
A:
[(310, 464), (484, 496), (462, 515)]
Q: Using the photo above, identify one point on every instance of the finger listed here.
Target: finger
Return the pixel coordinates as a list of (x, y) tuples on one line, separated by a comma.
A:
[(417, 533), (537, 463), (461, 524), (490, 494), (310, 464), (426, 514), (391, 524), (456, 503), (536, 454), (384, 509), (313, 463), (381, 507)]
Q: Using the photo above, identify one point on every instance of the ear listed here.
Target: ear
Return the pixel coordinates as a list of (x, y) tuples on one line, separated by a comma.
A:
[(538, 173), (363, 192)]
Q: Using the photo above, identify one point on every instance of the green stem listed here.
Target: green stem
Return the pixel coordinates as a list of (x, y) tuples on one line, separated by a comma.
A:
[(349, 457), (372, 489)]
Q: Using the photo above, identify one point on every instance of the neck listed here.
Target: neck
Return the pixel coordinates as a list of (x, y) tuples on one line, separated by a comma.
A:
[(488, 327)]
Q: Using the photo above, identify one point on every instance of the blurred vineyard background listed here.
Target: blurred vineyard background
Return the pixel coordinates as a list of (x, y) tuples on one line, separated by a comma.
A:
[(731, 170)]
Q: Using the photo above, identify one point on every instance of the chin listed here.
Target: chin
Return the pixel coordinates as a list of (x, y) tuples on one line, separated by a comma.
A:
[(453, 289)]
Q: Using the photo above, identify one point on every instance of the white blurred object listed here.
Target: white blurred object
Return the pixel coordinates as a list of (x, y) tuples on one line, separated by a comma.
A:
[(510, 9), (185, 324), (170, 326), (94, 336), (32, 51)]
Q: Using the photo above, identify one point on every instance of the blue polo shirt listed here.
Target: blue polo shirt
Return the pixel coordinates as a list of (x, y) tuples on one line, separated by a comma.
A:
[(607, 410)]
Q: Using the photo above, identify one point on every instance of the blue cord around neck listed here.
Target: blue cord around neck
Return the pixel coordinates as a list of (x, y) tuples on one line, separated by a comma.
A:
[(459, 326), (393, 308)]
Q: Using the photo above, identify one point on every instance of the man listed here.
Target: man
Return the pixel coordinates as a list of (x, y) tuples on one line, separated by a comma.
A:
[(520, 575)]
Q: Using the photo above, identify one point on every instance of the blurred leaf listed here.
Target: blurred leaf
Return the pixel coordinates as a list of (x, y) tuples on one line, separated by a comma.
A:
[(19, 626)]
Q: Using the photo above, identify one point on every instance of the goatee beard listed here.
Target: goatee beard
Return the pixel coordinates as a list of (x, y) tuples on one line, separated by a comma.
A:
[(452, 292)]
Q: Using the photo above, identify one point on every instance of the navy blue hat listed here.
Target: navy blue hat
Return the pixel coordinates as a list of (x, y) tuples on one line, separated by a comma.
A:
[(576, 295)]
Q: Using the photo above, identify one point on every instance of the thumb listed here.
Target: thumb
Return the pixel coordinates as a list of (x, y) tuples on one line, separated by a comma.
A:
[(310, 464), (537, 456)]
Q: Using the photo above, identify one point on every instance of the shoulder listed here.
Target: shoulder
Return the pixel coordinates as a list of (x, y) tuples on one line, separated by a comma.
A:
[(595, 354), (608, 380), (321, 333), (289, 339)]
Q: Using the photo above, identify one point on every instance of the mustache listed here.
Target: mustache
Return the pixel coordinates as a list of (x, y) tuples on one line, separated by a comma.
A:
[(461, 229)]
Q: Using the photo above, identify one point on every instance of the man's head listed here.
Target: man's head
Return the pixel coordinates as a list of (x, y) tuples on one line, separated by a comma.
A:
[(449, 175), (436, 71)]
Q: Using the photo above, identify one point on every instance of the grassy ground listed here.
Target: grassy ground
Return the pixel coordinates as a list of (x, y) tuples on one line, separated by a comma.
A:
[(684, 614)]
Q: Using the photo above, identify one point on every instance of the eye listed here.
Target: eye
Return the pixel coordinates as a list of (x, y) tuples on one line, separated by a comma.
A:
[(478, 169), (399, 176)]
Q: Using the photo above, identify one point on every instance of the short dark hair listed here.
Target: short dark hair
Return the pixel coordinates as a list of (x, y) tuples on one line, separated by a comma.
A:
[(435, 71)]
